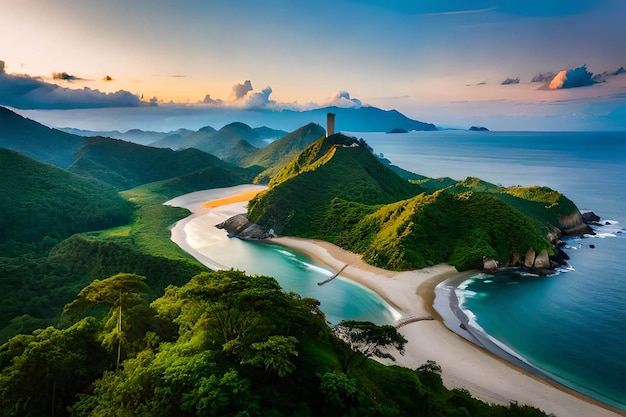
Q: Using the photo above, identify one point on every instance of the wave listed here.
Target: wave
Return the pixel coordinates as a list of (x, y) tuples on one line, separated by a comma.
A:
[(462, 321)]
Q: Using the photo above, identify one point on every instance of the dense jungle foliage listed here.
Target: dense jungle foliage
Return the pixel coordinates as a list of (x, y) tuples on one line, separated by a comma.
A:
[(223, 344)]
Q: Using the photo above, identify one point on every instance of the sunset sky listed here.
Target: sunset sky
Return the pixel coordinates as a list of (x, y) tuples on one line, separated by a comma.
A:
[(453, 63)]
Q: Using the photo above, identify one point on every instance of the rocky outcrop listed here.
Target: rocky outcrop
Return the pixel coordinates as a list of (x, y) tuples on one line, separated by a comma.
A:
[(536, 261), (489, 264), (574, 224), (590, 217), (239, 226)]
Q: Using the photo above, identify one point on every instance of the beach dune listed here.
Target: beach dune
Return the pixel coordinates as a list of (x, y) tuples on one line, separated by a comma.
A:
[(464, 365)]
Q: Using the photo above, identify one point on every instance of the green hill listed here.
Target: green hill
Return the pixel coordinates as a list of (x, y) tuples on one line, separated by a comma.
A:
[(337, 167), (180, 139), (336, 190), (544, 205), (231, 143), (443, 227), (40, 200), (126, 165), (277, 154), (36, 140)]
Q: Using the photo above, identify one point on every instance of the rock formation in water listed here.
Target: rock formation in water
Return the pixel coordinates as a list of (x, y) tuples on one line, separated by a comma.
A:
[(239, 226)]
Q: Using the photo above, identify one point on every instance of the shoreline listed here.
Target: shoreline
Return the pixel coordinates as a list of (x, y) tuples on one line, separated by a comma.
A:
[(464, 364)]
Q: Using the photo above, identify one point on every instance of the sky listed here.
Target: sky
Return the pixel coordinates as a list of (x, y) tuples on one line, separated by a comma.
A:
[(454, 63)]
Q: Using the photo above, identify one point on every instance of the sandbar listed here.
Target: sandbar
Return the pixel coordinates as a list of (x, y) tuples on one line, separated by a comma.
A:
[(464, 365)]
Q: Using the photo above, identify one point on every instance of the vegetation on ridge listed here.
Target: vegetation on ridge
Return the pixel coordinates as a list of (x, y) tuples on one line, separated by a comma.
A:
[(336, 167), (337, 191)]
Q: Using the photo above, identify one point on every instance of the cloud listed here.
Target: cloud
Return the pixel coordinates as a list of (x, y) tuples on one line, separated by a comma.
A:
[(509, 81), (543, 77), (572, 78), (342, 99), (26, 92), (240, 90), (64, 76), (215, 102), (260, 100)]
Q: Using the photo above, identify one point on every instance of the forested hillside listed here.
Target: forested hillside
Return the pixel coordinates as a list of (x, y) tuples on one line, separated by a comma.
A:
[(42, 201), (336, 190), (36, 140), (223, 344), (335, 167), (277, 154), (126, 165)]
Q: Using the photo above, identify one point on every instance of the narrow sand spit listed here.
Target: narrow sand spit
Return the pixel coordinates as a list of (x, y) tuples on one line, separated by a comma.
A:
[(464, 365)]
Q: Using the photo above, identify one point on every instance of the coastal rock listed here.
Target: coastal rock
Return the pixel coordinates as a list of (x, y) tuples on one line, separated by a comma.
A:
[(533, 260), (590, 217), (574, 225), (559, 258), (478, 129), (489, 263), (241, 227)]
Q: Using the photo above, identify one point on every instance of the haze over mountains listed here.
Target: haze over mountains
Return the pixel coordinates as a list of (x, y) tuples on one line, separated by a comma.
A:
[(172, 118)]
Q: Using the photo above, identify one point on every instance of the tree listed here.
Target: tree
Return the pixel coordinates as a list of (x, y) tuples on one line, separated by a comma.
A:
[(341, 393), (274, 354), (120, 293), (368, 339), (48, 369)]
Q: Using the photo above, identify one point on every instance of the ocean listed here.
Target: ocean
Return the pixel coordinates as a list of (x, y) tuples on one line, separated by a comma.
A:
[(572, 325)]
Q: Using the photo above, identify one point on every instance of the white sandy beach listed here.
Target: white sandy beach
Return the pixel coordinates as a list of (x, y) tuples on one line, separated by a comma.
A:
[(464, 365)]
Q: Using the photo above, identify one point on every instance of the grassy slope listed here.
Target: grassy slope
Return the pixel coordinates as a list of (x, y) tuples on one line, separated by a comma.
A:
[(327, 170), (337, 193), (278, 153), (36, 140), (37, 285), (126, 165), (40, 200)]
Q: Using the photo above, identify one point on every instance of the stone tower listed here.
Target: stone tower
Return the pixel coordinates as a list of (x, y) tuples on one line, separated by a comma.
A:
[(330, 124)]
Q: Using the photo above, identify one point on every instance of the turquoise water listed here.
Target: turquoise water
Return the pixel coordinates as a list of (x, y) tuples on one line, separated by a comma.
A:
[(340, 299), (571, 325)]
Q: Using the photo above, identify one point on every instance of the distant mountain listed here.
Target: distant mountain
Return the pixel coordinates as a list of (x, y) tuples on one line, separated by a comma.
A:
[(184, 138), (276, 155), (134, 135), (126, 165), (236, 141), (231, 143), (41, 200), (372, 119), (36, 140), (362, 119)]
